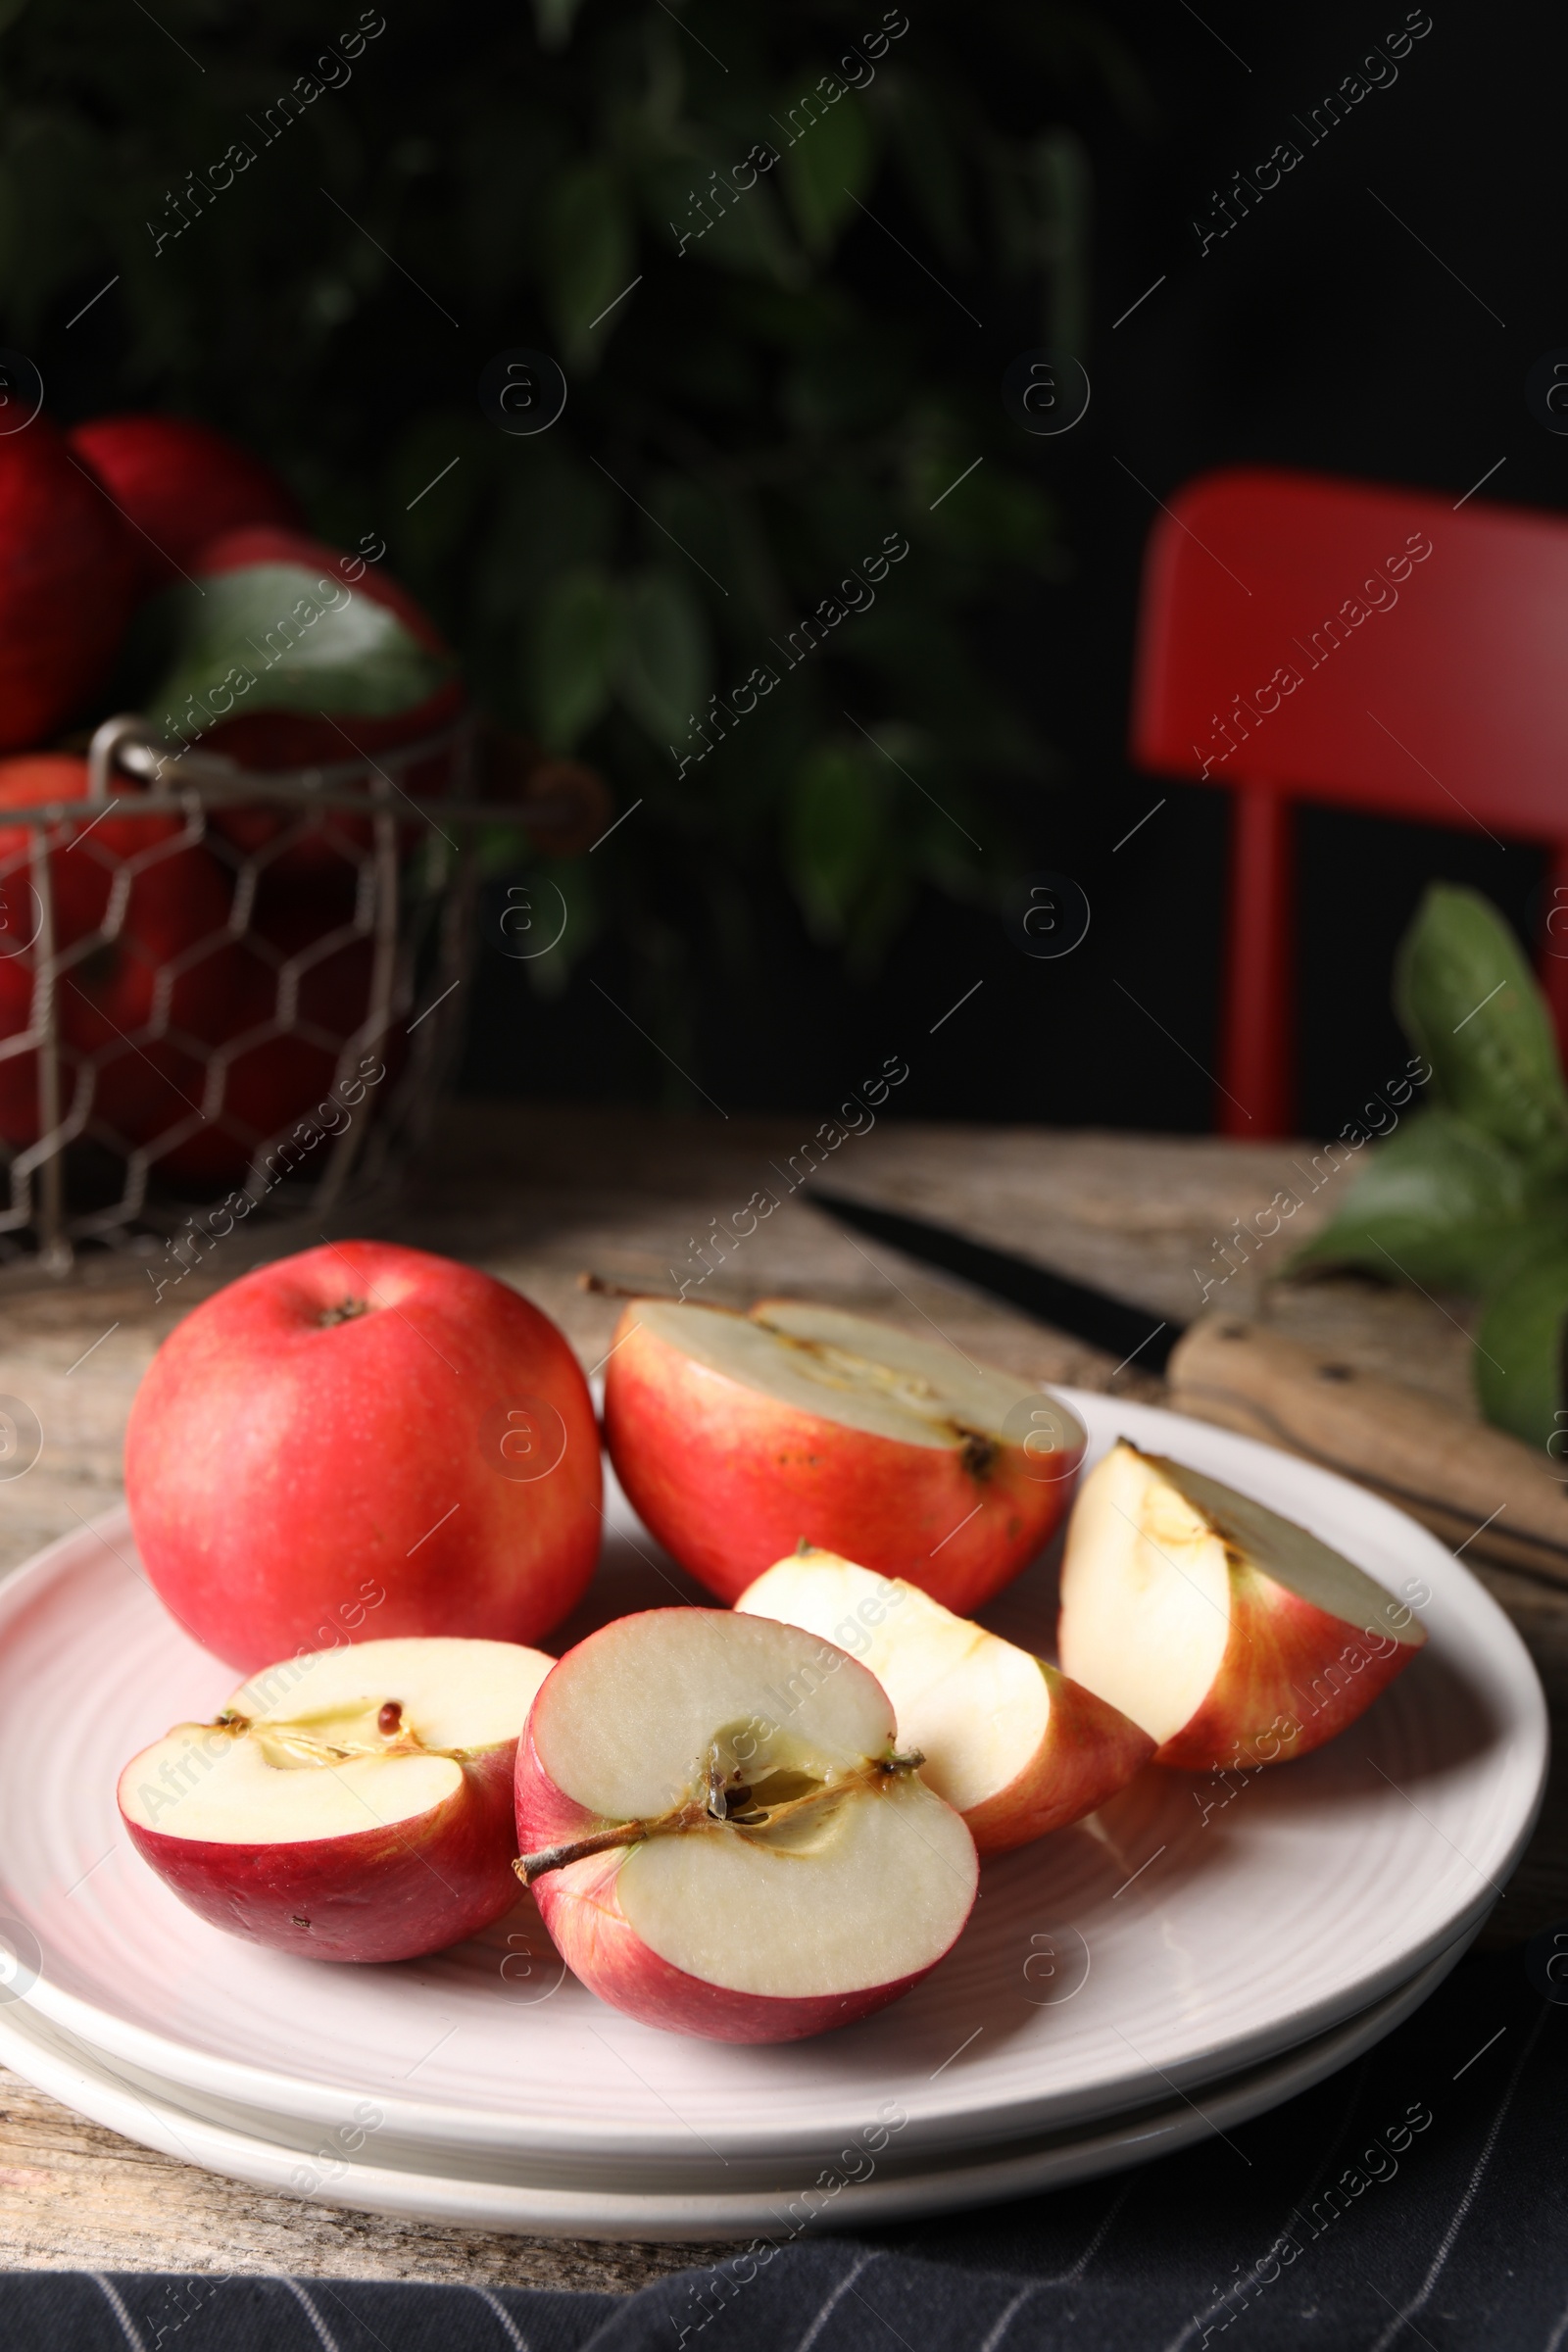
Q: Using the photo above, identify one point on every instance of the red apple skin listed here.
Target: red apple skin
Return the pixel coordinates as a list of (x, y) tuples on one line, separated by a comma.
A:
[(1278, 1645), (179, 483), (385, 1893), (282, 1473), (580, 1907), (278, 740), (299, 739), (271, 1085), (1088, 1752), (730, 1480), (66, 584), (178, 900)]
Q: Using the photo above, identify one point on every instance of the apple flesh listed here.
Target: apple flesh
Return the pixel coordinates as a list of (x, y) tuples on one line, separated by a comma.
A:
[(354, 1805), (1014, 1747), (363, 1438), (737, 1436), (1232, 1635), (721, 1836)]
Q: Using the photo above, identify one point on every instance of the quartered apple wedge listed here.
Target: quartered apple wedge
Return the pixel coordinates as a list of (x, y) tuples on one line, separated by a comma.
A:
[(1012, 1745), (1232, 1635), (723, 1834), (351, 1804), (737, 1436)]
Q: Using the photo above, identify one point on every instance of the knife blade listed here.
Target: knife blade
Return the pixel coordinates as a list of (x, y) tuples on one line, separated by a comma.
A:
[(1116, 1325)]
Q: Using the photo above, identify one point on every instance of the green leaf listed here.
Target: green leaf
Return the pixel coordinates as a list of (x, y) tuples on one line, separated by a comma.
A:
[(271, 623), (586, 235), (836, 834), (438, 479), (553, 515), (928, 159), (575, 644), (830, 161), (1518, 1356), (554, 20), (662, 671), (699, 208), (1470, 1003), (1063, 178), (995, 514), (1440, 1202), (848, 382)]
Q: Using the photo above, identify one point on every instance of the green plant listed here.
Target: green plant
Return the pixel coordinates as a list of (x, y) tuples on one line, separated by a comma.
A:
[(1472, 1193), (320, 248)]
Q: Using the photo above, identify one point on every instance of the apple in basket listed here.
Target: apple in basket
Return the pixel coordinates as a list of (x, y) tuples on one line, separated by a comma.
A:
[(177, 484), (352, 1804), (144, 975), (369, 1426), (1228, 1632), (722, 1835), (66, 574), (1012, 1745), (302, 1001), (738, 1436), (281, 653)]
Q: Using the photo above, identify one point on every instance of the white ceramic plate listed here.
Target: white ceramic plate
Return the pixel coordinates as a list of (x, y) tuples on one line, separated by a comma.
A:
[(473, 2196), (1155, 1948)]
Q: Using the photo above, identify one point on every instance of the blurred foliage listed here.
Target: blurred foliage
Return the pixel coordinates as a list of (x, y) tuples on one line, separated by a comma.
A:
[(1472, 1193), (797, 371)]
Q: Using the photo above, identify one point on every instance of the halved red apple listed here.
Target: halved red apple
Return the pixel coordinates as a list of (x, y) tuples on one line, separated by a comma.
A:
[(351, 1804), (737, 1436), (1012, 1745), (721, 1834), (1232, 1635)]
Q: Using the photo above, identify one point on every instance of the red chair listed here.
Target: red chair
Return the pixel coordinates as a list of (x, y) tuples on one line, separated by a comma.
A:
[(1305, 638)]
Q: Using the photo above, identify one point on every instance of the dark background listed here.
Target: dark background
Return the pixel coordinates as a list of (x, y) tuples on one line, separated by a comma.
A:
[(699, 968), (1319, 335)]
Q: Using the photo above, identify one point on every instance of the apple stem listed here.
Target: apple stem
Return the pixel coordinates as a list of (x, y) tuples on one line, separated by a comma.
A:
[(345, 1311), (699, 1813), (530, 1866)]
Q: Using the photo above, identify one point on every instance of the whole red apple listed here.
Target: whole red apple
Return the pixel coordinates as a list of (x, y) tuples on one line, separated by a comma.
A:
[(365, 1436), (301, 1003), (178, 483), (66, 568), (285, 654), (290, 723), (145, 978)]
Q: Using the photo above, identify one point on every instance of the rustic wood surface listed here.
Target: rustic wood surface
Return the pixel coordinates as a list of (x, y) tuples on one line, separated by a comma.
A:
[(541, 1197)]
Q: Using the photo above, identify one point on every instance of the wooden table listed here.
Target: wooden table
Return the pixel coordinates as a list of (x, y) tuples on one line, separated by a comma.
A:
[(541, 1197)]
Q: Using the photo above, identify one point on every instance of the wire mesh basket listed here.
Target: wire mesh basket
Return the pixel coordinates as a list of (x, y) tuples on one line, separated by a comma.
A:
[(223, 993)]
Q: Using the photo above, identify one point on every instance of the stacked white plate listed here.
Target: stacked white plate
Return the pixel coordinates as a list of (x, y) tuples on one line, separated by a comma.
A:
[(1199, 1951)]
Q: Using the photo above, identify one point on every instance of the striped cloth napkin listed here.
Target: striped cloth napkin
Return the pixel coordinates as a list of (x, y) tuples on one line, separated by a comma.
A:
[(1418, 2198)]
